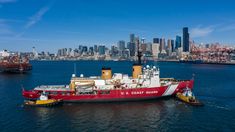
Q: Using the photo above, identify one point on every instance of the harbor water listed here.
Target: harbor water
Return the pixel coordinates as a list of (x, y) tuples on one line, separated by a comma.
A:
[(214, 86)]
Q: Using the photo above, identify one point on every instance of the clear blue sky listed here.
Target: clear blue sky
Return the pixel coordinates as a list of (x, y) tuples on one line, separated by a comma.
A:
[(52, 24)]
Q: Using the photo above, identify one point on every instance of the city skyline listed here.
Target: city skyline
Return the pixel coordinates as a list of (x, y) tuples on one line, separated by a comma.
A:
[(159, 49), (49, 25)]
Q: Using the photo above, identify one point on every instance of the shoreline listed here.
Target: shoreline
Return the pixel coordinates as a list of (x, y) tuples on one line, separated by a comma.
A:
[(174, 61), (208, 63)]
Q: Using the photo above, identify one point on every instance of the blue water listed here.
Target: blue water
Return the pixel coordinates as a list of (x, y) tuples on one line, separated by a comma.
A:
[(214, 86)]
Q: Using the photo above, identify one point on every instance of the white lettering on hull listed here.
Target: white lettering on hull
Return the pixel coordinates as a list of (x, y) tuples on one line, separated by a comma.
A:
[(139, 92)]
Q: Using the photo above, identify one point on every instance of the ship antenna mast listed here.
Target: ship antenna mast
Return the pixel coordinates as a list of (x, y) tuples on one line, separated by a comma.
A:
[(139, 53), (74, 68)]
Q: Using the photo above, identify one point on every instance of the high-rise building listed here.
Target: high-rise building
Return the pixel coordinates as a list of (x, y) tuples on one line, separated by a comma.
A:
[(185, 39), (207, 45), (80, 47), (155, 50), (131, 47), (84, 49), (69, 51), (126, 53), (169, 44), (121, 45), (101, 50), (114, 50), (62, 52), (149, 47), (132, 38), (91, 50), (65, 51), (137, 45), (162, 44), (177, 42), (169, 48), (172, 45), (143, 47), (128, 45), (106, 51), (156, 40), (76, 52), (95, 48)]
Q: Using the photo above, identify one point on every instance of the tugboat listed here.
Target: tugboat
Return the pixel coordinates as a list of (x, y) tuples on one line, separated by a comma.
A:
[(43, 101), (145, 83), (188, 97), (14, 64)]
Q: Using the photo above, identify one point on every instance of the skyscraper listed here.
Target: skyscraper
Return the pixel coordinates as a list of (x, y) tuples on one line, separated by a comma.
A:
[(121, 45), (162, 44), (101, 49), (177, 42), (114, 50), (131, 47), (149, 47), (156, 40), (91, 50), (143, 47), (95, 48), (155, 50), (169, 48), (132, 38), (172, 45), (185, 39), (84, 49), (137, 45)]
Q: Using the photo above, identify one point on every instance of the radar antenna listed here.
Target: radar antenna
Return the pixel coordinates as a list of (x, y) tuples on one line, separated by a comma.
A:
[(74, 68), (139, 53)]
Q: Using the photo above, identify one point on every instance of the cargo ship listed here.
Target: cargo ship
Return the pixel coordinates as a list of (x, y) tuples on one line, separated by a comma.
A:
[(144, 84), (14, 64)]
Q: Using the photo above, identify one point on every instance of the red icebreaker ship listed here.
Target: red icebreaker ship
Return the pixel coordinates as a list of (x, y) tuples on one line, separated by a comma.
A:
[(145, 83)]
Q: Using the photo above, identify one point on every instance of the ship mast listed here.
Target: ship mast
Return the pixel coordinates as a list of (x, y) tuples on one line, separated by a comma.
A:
[(139, 53), (74, 69)]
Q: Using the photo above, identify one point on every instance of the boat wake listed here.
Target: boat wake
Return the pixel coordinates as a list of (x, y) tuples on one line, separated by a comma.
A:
[(216, 97), (210, 104)]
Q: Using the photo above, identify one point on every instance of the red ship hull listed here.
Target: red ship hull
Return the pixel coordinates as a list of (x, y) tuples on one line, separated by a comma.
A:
[(19, 67), (114, 95)]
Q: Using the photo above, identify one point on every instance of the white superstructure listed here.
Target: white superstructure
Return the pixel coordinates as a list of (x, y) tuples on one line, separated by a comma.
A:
[(149, 78)]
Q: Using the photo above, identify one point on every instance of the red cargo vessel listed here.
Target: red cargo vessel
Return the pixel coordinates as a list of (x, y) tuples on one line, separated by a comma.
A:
[(15, 64)]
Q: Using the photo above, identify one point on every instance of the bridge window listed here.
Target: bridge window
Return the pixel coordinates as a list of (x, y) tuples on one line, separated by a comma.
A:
[(104, 92)]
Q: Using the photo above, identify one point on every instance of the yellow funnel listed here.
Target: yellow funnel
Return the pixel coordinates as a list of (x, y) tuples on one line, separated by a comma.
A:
[(106, 73), (137, 70)]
